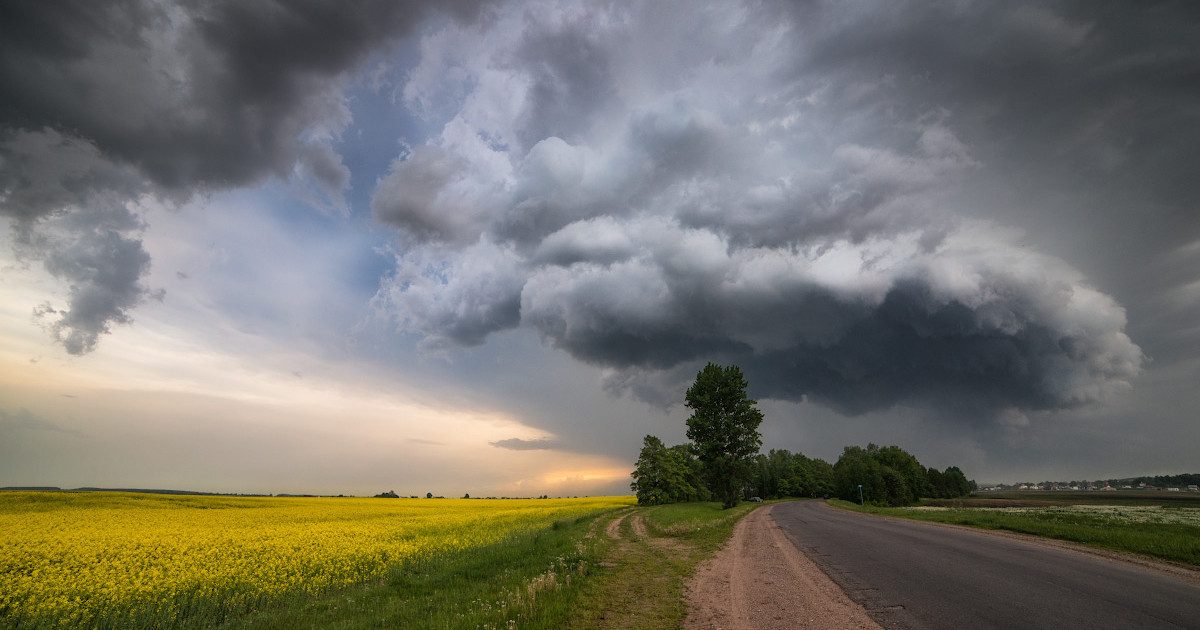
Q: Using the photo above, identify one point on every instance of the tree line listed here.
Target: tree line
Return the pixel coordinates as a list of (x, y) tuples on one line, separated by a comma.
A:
[(722, 461)]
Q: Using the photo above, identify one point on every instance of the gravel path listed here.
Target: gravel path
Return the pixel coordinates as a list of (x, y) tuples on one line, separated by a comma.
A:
[(760, 581)]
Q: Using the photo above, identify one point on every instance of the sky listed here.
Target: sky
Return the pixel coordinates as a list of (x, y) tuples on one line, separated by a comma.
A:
[(281, 247)]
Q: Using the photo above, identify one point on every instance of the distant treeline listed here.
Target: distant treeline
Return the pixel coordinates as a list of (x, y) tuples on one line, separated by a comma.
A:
[(888, 475), (1157, 481), (723, 459), (1186, 479)]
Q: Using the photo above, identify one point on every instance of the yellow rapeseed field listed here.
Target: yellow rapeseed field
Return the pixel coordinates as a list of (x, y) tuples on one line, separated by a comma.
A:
[(66, 558)]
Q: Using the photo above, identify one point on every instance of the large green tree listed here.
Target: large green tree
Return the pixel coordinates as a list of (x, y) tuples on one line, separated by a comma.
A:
[(724, 429)]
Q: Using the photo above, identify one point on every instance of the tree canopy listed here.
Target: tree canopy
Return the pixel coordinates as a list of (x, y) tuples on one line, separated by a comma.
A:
[(780, 474), (666, 474), (724, 429), (890, 475), (723, 462)]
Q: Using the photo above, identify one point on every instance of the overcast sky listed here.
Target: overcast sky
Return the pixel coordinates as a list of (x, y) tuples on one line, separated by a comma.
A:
[(448, 248)]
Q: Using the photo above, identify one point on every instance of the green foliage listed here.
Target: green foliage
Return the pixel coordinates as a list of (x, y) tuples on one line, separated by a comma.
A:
[(891, 476), (950, 484), (780, 474), (666, 475), (724, 429), (857, 468)]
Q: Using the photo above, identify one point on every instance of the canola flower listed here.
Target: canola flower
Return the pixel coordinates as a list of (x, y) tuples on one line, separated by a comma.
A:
[(69, 559)]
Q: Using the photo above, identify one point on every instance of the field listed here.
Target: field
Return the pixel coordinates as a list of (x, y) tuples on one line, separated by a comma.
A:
[(1161, 525), (155, 561)]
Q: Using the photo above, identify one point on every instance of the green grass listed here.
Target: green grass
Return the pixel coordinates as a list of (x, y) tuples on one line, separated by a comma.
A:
[(705, 525), (642, 586), (1165, 532)]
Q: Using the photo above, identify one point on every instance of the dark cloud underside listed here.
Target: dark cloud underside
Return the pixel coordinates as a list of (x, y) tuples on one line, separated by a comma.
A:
[(813, 202), (103, 102)]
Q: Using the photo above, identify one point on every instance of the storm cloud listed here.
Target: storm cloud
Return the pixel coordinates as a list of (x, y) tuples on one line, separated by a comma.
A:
[(104, 106), (798, 204), (969, 228)]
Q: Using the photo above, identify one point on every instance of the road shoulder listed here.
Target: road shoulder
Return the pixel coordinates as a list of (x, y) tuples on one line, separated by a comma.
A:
[(761, 581)]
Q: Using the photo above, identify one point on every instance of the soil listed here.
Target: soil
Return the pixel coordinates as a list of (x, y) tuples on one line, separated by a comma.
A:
[(760, 581)]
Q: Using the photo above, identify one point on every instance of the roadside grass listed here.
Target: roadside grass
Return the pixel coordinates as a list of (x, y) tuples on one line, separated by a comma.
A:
[(1164, 532), (704, 525), (643, 579), (529, 582)]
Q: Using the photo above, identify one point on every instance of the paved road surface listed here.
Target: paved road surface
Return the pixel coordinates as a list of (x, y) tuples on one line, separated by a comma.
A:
[(917, 575)]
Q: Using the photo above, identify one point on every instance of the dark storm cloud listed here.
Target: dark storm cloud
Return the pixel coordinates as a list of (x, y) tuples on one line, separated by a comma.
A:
[(813, 197), (1083, 118), (96, 252), (103, 102), (217, 94)]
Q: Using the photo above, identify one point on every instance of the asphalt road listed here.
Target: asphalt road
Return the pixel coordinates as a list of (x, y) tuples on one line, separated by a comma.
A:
[(909, 574)]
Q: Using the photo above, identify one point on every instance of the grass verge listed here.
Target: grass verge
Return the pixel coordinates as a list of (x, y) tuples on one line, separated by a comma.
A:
[(647, 565), (1142, 529)]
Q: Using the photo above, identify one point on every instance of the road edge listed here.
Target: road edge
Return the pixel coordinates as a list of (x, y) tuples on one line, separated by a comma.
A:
[(1176, 570)]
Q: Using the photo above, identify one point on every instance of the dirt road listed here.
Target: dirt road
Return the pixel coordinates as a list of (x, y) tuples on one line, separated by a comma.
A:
[(760, 581)]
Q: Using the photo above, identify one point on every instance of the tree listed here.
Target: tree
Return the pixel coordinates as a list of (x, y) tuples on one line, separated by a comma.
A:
[(664, 475), (822, 476), (891, 476), (957, 484), (854, 468), (724, 429), (910, 472), (780, 474)]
